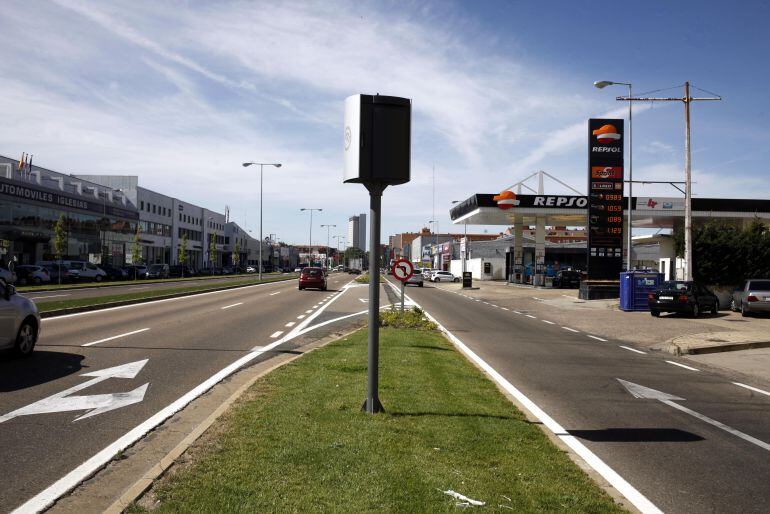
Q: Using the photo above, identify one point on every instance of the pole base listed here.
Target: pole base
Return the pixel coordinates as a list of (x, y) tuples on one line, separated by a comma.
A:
[(377, 406)]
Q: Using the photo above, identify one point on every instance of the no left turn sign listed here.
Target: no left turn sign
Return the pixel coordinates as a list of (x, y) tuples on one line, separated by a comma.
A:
[(402, 269)]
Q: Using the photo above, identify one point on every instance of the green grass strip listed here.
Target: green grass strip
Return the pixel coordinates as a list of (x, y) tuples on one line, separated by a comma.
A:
[(297, 441), (45, 306)]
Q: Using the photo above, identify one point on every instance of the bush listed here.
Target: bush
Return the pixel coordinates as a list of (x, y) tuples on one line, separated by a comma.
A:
[(411, 318), (363, 279)]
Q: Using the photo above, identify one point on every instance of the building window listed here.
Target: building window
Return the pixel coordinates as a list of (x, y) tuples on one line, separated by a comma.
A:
[(180, 216), (142, 205)]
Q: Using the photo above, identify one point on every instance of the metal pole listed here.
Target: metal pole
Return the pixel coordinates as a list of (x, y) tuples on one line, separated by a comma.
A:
[(687, 187), (260, 222), (630, 178), (403, 285), (372, 403), (310, 243)]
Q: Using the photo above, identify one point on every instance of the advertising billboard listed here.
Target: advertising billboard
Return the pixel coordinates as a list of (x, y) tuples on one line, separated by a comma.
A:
[(605, 199)]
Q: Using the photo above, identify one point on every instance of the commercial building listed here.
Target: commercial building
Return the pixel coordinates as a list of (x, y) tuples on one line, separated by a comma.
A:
[(99, 222), (357, 232)]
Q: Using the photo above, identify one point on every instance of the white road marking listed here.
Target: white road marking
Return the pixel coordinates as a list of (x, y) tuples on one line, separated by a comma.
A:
[(504, 308), (597, 338), (232, 305), (309, 311), (609, 474), (138, 287), (300, 316), (683, 366), (115, 337), (49, 296), (493, 305), (567, 296), (549, 322), (486, 303), (516, 312), (571, 330), (273, 294), (538, 299), (756, 389), (291, 324), (632, 349), (276, 334), (530, 316), (363, 300), (478, 300)]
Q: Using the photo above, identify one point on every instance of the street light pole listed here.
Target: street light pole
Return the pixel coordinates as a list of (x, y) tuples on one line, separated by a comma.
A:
[(602, 84), (261, 166), (310, 241), (328, 250)]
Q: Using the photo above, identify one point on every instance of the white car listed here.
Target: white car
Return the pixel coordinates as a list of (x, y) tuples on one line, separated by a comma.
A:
[(443, 276), (251, 269), (19, 321), (86, 270)]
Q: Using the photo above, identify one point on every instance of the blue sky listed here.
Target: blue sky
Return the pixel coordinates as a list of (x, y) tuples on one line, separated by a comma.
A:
[(181, 92)]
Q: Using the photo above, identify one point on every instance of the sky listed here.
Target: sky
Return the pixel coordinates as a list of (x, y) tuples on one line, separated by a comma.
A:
[(181, 93)]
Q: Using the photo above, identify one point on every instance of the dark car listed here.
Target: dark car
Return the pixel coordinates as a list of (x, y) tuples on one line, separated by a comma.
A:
[(114, 273), (27, 274), (54, 270), (228, 270), (136, 271), (682, 296), (567, 278), (158, 271), (312, 277)]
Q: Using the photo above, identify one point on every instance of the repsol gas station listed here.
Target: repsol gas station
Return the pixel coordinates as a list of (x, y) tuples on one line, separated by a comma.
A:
[(603, 211)]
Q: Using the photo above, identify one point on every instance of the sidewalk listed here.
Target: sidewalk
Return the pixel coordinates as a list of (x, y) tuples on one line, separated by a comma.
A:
[(727, 341)]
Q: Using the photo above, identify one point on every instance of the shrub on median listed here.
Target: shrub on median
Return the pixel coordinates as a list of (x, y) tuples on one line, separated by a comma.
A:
[(410, 318)]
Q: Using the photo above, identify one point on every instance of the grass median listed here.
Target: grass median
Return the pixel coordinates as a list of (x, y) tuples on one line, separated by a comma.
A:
[(53, 305), (298, 442)]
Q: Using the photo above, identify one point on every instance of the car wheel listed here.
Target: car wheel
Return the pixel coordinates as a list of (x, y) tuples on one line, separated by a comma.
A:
[(695, 310), (25, 340), (37, 280), (744, 312), (420, 284), (655, 314), (98, 278), (437, 279), (733, 307), (715, 308), (456, 279), (300, 288)]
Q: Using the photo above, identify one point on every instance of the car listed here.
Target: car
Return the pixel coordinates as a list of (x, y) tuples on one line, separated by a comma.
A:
[(136, 271), (28, 274), (251, 269), (312, 277), (687, 297), (416, 279), (114, 273), (158, 271), (569, 279), (354, 271), (427, 272), (752, 297), (55, 270), (19, 321), (443, 276), (228, 270), (86, 270), (8, 276)]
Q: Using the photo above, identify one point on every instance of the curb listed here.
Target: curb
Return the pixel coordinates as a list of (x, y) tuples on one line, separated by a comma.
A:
[(731, 347), (107, 305), (122, 283)]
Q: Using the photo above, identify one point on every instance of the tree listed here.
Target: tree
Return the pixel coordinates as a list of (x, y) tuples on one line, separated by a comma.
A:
[(237, 254), (136, 250), (60, 240), (213, 249), (182, 256)]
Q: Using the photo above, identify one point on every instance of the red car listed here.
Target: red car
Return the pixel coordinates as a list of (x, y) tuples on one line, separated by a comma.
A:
[(312, 277)]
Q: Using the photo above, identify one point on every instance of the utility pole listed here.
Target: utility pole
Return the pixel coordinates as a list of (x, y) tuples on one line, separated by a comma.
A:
[(687, 100), (328, 249)]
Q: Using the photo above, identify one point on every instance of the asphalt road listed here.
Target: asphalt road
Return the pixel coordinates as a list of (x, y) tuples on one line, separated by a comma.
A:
[(127, 288), (680, 462), (185, 341)]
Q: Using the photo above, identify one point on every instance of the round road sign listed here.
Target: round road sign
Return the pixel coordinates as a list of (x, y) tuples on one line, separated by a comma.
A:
[(402, 269)]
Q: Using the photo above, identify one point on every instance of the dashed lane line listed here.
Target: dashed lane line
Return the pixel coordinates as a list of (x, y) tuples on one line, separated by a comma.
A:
[(530, 316), (290, 324), (116, 337), (751, 388), (683, 366), (277, 333), (549, 322), (632, 349), (597, 338), (571, 330), (231, 305)]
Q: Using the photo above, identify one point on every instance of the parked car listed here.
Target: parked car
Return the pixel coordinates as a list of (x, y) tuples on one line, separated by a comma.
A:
[(19, 321), (443, 276), (752, 297), (354, 271), (28, 274), (251, 269), (416, 280), (7, 275), (312, 277), (682, 296), (54, 269), (87, 271), (136, 271), (569, 279), (228, 270), (427, 272), (158, 271), (115, 273)]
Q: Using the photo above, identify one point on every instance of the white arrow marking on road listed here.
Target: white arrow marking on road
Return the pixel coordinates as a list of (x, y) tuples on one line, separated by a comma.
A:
[(95, 404), (363, 300), (638, 391)]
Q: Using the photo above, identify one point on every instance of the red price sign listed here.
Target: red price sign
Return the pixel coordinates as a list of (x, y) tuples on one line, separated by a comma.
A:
[(402, 269)]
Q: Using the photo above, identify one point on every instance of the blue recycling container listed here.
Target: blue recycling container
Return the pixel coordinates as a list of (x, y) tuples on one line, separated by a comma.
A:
[(634, 288)]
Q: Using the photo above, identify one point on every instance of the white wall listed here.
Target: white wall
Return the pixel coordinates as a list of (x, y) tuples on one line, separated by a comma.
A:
[(476, 266)]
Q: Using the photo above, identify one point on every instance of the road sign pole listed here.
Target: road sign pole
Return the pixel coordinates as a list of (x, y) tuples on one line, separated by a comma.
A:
[(403, 285), (372, 403)]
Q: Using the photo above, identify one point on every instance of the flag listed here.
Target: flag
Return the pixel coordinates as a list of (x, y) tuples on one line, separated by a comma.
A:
[(30, 163), (21, 161)]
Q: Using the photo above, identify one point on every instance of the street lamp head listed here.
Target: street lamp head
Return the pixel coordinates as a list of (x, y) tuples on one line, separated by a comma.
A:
[(601, 84), (277, 164), (247, 164)]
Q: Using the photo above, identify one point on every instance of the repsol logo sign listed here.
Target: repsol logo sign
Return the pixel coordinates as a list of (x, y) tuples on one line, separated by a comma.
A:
[(607, 149), (560, 201)]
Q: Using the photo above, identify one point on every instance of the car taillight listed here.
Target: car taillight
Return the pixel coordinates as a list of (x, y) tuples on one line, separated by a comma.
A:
[(683, 298), (752, 298), (650, 296)]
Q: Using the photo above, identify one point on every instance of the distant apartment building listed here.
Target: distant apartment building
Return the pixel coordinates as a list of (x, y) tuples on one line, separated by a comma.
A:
[(357, 231)]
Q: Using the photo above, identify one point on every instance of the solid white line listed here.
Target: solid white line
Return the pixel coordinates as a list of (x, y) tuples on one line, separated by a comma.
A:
[(549, 322), (530, 316), (752, 388), (609, 474), (115, 337), (597, 338), (632, 349), (276, 334), (571, 330), (233, 305), (273, 294), (49, 296), (683, 366), (291, 324), (178, 298)]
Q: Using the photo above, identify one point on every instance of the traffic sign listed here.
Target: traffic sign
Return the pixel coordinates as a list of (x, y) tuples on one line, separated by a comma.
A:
[(402, 270)]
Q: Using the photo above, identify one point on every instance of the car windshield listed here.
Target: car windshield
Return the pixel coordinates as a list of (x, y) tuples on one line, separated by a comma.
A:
[(761, 285), (312, 272), (676, 285), (156, 267)]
